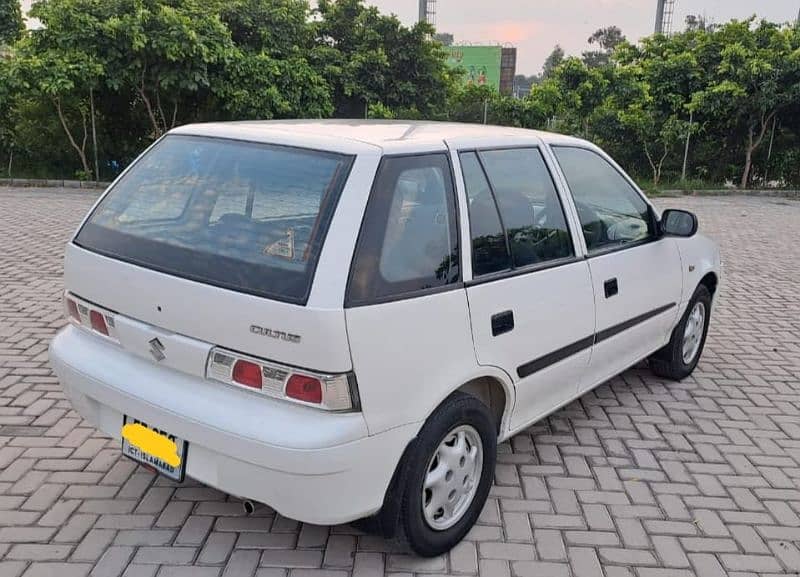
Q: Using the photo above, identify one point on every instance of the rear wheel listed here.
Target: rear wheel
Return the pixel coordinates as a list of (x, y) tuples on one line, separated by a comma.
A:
[(679, 358), (449, 475)]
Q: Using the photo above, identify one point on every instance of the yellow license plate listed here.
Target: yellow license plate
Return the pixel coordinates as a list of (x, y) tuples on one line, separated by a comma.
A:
[(154, 448)]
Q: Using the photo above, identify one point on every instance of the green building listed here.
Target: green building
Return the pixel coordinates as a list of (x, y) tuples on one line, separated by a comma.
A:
[(493, 66)]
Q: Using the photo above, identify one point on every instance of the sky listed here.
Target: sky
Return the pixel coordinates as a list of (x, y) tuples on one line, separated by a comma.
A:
[(535, 26)]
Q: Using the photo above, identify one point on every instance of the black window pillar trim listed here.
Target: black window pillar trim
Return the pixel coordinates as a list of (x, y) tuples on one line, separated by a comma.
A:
[(496, 207)]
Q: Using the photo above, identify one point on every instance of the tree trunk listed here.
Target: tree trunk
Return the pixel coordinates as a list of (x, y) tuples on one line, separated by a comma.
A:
[(161, 111), (656, 169), (661, 164), (94, 137), (80, 150), (142, 90), (753, 142), (150, 113), (686, 149), (748, 162)]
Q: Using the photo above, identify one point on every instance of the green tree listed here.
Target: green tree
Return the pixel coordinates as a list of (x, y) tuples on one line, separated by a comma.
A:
[(658, 133), (697, 22), (6, 107), (61, 78), (652, 91), (367, 58), (582, 90), (11, 23), (268, 73), (757, 76), (164, 53), (607, 39), (523, 84), (257, 85), (553, 61)]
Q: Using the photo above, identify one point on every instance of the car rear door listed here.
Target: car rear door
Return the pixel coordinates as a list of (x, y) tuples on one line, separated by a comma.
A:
[(636, 273), (529, 289), (406, 308)]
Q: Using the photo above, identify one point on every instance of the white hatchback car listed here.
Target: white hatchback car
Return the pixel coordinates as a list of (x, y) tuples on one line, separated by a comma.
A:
[(342, 319)]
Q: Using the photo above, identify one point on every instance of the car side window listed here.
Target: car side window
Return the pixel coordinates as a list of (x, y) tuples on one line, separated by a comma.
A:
[(611, 211), (489, 248), (530, 210), (408, 241)]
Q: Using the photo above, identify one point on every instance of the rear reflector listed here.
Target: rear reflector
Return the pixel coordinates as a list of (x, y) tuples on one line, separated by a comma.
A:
[(72, 309), (98, 322), (247, 374), (303, 388)]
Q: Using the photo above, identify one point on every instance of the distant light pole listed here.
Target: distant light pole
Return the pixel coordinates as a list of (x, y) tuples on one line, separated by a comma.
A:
[(686, 150)]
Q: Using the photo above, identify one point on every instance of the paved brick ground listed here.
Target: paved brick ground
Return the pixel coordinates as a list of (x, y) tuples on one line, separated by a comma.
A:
[(640, 478)]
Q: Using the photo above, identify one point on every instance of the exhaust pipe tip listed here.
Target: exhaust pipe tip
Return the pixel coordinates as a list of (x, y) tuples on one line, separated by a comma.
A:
[(248, 506)]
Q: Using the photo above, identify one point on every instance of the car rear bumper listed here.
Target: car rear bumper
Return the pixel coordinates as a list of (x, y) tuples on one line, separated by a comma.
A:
[(308, 465)]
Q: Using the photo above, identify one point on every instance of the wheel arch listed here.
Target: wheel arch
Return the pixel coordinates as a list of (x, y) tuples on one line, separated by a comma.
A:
[(711, 282), (490, 385), (493, 393)]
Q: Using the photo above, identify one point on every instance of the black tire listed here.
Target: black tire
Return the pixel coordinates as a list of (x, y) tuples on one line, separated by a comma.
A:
[(668, 362), (458, 409)]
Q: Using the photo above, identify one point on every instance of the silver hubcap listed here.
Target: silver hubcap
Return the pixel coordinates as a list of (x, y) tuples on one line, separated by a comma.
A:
[(693, 333), (452, 478)]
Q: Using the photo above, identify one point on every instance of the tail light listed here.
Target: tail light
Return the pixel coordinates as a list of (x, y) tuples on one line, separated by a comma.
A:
[(247, 373), (90, 317), (330, 392), (303, 388)]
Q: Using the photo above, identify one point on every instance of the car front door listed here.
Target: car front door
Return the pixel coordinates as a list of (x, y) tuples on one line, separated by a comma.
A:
[(530, 294), (636, 273)]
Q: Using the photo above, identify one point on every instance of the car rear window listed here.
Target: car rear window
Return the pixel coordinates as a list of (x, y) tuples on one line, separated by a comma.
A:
[(246, 216)]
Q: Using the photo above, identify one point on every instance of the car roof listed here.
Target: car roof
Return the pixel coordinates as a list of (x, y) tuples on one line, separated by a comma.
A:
[(352, 135)]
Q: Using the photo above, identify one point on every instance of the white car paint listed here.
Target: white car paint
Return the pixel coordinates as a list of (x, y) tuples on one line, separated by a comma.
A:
[(408, 354)]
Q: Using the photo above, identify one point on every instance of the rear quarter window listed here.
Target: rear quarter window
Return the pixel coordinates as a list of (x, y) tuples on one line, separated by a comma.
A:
[(408, 244)]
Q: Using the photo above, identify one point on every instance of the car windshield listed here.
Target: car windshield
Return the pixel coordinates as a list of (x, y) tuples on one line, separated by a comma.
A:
[(240, 215)]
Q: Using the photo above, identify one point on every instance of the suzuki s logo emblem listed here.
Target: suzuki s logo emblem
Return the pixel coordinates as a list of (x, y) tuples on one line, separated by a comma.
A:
[(157, 350)]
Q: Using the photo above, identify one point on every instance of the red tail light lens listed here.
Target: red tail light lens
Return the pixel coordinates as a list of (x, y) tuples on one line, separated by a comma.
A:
[(303, 388), (329, 392), (247, 374), (72, 309), (98, 322)]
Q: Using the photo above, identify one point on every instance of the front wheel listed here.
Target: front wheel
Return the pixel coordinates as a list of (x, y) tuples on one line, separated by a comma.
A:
[(449, 475), (679, 358)]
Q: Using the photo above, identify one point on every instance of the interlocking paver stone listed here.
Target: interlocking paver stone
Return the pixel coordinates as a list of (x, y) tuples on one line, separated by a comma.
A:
[(642, 478)]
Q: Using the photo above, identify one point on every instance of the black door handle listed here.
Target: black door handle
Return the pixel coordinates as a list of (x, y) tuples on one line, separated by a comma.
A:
[(502, 323), (611, 287)]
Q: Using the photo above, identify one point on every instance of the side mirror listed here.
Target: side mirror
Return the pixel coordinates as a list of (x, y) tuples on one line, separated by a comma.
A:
[(678, 223)]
